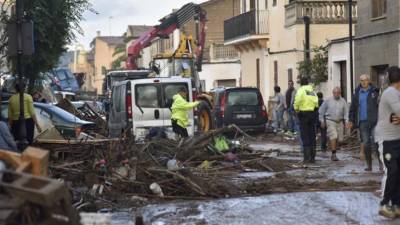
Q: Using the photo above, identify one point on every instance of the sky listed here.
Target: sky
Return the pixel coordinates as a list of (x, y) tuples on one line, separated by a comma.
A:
[(115, 15)]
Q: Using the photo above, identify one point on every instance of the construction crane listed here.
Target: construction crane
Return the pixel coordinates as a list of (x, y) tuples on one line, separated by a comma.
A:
[(166, 27)]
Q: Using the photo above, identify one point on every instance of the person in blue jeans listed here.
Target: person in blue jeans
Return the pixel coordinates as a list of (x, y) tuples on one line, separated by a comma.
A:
[(363, 114), (279, 109), (292, 124)]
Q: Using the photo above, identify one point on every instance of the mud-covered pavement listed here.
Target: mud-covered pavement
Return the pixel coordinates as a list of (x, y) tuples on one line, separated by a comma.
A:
[(325, 193)]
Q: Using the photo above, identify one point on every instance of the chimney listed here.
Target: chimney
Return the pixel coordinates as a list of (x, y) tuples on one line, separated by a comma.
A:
[(98, 33)]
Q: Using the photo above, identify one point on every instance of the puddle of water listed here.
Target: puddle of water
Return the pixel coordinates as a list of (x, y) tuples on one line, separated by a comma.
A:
[(270, 146), (256, 175)]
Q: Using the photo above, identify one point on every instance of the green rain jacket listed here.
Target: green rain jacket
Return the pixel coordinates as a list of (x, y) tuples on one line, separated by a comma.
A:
[(180, 108)]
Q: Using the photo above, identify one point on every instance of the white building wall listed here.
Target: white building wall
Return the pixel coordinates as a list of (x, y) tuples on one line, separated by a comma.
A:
[(212, 72), (337, 52)]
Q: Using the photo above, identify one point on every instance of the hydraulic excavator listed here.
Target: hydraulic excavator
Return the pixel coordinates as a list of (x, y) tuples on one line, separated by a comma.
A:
[(185, 61)]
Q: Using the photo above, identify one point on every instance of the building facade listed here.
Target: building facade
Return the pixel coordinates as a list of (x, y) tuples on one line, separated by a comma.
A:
[(338, 68), (103, 48), (221, 64), (377, 41), (270, 36)]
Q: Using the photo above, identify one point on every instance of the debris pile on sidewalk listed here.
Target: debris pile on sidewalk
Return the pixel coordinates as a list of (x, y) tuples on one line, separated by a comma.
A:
[(159, 168)]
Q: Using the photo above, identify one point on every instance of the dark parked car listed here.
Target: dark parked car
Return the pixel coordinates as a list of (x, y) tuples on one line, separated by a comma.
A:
[(241, 106), (68, 125)]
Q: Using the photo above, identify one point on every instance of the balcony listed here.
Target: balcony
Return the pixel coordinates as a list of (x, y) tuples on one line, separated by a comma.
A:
[(220, 52), (248, 26), (320, 12)]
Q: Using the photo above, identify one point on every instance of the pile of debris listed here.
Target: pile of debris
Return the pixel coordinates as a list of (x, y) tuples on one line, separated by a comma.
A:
[(160, 168)]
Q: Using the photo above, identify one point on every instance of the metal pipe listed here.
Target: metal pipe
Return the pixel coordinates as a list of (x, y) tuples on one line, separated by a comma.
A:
[(351, 45), (22, 126)]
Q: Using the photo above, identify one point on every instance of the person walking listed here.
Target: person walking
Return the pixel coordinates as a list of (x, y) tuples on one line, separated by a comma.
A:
[(332, 115), (322, 130), (279, 109), (291, 115), (305, 104), (179, 116), (387, 134), (29, 114), (364, 115)]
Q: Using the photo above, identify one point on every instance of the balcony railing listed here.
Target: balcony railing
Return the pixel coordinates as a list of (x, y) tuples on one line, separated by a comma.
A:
[(222, 52), (323, 12), (250, 23)]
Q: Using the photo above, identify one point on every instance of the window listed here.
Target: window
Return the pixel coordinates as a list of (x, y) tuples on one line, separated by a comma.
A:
[(266, 4), (252, 5), (147, 96), (275, 72), (116, 98), (274, 3), (378, 76), (172, 89), (378, 8), (227, 83), (290, 74), (243, 98), (61, 75)]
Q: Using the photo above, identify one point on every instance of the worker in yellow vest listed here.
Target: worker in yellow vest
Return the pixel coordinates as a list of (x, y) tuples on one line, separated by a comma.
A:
[(305, 105), (180, 108)]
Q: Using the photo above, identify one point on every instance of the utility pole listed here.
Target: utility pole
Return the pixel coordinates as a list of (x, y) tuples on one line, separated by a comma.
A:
[(351, 45), (22, 142), (307, 51), (307, 38)]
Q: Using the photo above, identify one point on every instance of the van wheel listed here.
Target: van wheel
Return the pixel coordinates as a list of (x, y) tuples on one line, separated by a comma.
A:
[(204, 117)]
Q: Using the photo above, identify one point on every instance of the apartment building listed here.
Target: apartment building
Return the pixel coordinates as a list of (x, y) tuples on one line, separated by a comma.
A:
[(270, 36), (103, 48), (377, 40)]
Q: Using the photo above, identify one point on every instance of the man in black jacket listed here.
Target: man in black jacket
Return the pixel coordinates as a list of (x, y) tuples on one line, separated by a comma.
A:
[(364, 115)]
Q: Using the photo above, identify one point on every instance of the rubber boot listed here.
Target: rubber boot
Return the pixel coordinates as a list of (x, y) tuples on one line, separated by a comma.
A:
[(313, 154), (368, 158), (334, 157), (306, 155)]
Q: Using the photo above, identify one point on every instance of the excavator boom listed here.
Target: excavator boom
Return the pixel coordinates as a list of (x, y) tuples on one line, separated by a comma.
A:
[(168, 25)]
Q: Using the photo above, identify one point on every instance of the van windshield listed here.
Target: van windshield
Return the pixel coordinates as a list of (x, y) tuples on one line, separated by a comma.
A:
[(243, 98)]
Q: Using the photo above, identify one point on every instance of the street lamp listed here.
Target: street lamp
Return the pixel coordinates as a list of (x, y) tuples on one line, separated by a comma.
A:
[(109, 24)]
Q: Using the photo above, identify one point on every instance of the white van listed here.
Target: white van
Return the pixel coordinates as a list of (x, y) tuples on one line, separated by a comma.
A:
[(142, 104)]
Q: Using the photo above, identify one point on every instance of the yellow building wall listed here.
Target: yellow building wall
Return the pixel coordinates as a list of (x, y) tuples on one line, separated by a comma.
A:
[(103, 58)]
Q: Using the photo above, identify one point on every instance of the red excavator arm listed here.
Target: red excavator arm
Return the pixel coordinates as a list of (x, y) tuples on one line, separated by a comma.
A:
[(168, 24)]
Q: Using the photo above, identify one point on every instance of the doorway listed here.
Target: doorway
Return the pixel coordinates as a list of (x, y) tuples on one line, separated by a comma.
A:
[(343, 78)]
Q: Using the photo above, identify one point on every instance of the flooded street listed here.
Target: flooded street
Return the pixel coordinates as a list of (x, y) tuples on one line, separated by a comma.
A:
[(328, 208), (327, 193)]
